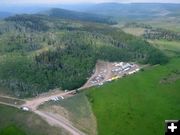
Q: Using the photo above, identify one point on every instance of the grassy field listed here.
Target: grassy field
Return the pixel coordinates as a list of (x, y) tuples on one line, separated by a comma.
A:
[(77, 110), (165, 23), (16, 122), (138, 104), (134, 31), (171, 48)]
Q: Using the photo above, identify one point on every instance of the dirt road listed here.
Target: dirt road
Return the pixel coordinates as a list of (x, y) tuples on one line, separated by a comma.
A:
[(11, 97), (35, 102), (54, 120), (57, 120)]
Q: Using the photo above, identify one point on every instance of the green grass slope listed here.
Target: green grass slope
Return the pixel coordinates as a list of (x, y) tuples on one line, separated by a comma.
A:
[(17, 122), (138, 104), (12, 130), (170, 48)]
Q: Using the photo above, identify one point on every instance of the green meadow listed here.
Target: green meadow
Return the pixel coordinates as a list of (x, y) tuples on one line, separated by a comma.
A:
[(12, 130), (134, 31), (169, 24), (138, 104), (171, 48)]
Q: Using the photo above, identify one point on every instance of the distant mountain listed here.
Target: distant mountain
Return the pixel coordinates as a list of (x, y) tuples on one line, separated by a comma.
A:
[(35, 8), (5, 14), (134, 10), (75, 15), (116, 10), (22, 9)]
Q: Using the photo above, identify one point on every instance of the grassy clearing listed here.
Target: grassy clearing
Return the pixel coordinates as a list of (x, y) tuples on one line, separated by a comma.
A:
[(137, 104), (77, 110), (16, 122), (134, 31), (168, 23), (169, 26), (165, 24), (171, 48)]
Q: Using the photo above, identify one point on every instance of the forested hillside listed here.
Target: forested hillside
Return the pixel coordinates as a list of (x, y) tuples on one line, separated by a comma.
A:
[(38, 52), (81, 16)]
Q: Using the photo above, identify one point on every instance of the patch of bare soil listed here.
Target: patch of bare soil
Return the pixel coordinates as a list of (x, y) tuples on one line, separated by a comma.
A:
[(171, 77)]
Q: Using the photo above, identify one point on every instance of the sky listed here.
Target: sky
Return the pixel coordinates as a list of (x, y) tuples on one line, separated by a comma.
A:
[(82, 1)]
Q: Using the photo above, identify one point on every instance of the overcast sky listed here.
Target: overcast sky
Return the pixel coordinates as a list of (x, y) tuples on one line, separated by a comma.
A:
[(82, 1)]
